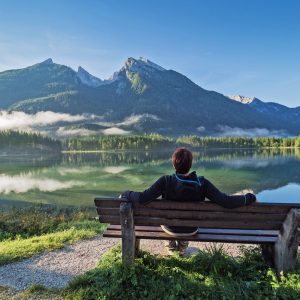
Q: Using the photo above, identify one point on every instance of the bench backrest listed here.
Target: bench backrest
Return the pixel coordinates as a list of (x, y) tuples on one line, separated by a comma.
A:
[(200, 214)]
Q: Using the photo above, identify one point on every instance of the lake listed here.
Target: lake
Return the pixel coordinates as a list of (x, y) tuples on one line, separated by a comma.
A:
[(76, 179)]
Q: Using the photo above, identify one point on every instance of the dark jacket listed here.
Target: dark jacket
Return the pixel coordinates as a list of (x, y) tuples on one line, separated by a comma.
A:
[(187, 188)]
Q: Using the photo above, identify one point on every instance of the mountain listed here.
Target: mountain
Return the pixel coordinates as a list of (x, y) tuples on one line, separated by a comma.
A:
[(141, 97), (276, 112)]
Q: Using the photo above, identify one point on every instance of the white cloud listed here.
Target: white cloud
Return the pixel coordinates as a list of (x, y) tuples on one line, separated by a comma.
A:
[(201, 128), (115, 131), (251, 132), (62, 132), (82, 170), (134, 119), (25, 183), (21, 120), (116, 169)]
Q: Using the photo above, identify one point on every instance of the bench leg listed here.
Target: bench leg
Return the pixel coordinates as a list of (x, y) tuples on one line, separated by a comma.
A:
[(128, 234), (282, 255), (137, 245), (268, 252)]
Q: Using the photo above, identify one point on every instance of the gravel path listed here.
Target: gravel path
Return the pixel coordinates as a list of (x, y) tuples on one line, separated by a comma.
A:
[(56, 268)]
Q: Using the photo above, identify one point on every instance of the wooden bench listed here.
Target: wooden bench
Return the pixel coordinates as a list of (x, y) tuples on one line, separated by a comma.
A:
[(274, 227)]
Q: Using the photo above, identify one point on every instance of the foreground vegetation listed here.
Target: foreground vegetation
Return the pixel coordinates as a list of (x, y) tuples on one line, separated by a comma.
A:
[(208, 275), (28, 231)]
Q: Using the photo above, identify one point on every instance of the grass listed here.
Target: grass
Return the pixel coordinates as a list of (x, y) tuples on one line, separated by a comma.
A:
[(25, 232), (35, 292), (207, 275), (21, 248), (40, 219)]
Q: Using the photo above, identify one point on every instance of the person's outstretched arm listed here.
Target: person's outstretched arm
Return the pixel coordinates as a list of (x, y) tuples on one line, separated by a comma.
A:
[(213, 194), (151, 193)]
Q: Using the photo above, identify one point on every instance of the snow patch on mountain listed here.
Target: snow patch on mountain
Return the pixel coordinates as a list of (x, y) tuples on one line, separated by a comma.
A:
[(242, 99)]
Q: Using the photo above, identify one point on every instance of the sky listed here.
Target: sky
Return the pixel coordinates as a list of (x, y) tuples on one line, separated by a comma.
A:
[(251, 48)]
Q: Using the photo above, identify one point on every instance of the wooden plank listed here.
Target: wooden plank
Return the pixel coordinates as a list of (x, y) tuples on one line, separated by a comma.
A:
[(195, 215), (108, 211), (115, 220), (202, 206), (204, 215), (206, 230), (239, 232), (113, 202), (209, 206), (244, 239), (128, 234), (230, 224)]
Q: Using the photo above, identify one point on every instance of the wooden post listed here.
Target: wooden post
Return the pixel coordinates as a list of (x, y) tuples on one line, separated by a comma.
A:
[(137, 245), (282, 255), (128, 233)]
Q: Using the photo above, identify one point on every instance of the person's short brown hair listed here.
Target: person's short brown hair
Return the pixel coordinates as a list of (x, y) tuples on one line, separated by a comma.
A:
[(182, 159)]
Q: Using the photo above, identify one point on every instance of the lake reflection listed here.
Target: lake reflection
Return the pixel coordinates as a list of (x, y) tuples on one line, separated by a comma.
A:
[(77, 178)]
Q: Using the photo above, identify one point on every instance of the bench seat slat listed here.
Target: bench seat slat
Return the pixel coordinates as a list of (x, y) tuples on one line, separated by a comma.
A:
[(195, 215), (201, 206), (245, 239), (205, 230), (198, 215), (226, 224)]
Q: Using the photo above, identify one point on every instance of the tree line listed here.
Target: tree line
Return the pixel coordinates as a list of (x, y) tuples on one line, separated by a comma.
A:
[(157, 141), (12, 140), (17, 141)]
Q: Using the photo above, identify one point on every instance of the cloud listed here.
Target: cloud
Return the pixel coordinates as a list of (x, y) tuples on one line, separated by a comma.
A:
[(251, 132), (249, 163), (134, 119), (201, 128), (21, 120), (115, 131), (83, 170), (115, 169), (62, 132), (25, 183)]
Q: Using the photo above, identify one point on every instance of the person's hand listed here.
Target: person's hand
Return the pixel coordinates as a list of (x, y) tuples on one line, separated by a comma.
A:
[(250, 198), (125, 195)]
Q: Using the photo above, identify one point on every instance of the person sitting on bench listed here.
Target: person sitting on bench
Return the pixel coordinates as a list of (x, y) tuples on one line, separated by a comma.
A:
[(186, 186)]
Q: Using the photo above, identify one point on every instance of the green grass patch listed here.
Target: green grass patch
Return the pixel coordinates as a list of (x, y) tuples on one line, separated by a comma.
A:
[(207, 275), (41, 219), (20, 248)]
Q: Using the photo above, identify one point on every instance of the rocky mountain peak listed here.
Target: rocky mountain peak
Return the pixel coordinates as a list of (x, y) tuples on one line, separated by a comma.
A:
[(88, 79), (135, 65), (48, 61)]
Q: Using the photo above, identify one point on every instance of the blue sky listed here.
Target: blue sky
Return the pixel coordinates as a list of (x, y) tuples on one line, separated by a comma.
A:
[(230, 46)]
